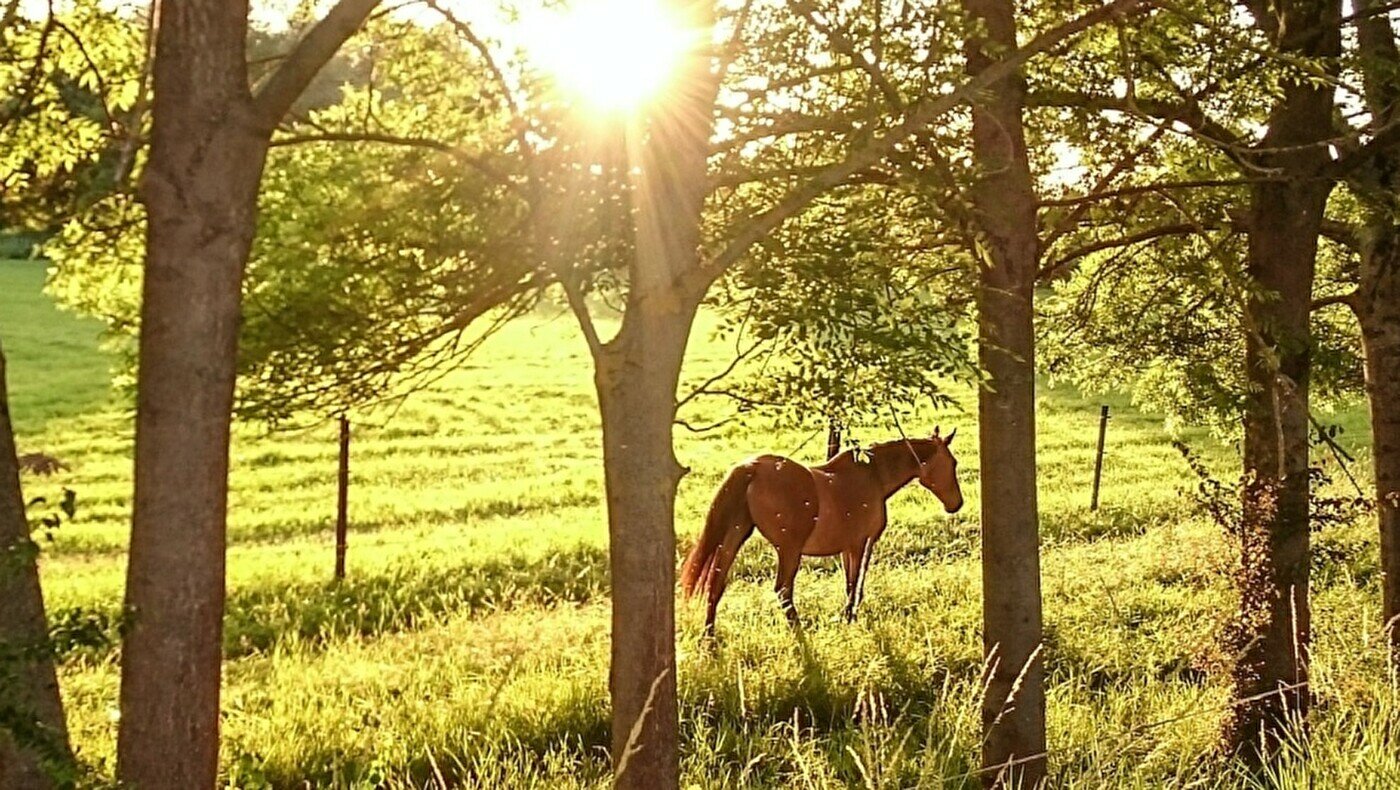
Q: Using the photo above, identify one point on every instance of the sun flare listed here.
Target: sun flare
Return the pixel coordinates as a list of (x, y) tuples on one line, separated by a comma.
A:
[(614, 54)]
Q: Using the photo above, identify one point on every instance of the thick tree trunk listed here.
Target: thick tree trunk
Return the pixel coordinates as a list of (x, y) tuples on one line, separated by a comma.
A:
[(1271, 670), (1377, 305), (200, 191), (1013, 713), (209, 139), (1376, 301), (34, 749), (637, 379)]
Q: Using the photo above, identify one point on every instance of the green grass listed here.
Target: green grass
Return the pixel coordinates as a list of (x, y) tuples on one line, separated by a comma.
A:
[(469, 645), (56, 369)]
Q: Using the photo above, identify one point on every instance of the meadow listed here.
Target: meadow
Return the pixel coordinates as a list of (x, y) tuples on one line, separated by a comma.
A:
[(469, 644)]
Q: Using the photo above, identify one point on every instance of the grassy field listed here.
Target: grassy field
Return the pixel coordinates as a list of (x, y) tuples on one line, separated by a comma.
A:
[(469, 645)]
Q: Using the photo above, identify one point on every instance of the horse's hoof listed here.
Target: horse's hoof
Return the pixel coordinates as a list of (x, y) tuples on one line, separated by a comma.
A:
[(709, 643)]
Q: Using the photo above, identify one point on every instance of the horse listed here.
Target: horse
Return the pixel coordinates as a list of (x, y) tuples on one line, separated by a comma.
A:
[(835, 508)]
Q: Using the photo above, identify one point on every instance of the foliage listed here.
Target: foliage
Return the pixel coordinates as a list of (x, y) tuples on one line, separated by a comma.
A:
[(1146, 280), (71, 110), (397, 216), (849, 312), (368, 254)]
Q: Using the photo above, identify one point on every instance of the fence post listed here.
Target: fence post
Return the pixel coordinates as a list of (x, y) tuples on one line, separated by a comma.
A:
[(833, 440), (342, 499), (1098, 458)]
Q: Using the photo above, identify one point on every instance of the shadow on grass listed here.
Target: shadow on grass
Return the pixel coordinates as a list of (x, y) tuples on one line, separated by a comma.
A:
[(806, 724), (308, 614)]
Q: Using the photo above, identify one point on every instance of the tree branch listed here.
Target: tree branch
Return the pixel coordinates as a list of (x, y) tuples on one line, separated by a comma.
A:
[(497, 73), (1341, 233), (844, 46), (1059, 265), (579, 306), (920, 116), (280, 91), (461, 155), (1349, 299), (1187, 113), (1139, 189)]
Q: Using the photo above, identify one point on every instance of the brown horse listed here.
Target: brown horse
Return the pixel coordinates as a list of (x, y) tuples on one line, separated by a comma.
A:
[(835, 508)]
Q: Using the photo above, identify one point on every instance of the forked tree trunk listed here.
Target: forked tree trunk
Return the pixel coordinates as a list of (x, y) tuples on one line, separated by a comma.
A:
[(34, 749), (1377, 305), (200, 191), (637, 378), (1285, 216), (1013, 712)]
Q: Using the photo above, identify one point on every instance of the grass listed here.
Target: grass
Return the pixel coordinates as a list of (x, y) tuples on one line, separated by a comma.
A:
[(469, 645)]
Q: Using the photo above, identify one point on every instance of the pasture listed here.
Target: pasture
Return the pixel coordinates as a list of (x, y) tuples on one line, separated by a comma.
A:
[(469, 644)]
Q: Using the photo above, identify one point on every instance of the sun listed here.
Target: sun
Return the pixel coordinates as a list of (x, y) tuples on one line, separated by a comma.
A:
[(615, 55)]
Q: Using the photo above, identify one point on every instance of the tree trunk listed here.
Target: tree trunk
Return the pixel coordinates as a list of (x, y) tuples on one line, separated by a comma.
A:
[(200, 191), (1270, 673), (1376, 301), (1377, 304), (1013, 712), (637, 375), (637, 379), (34, 748), (1271, 669), (209, 139)]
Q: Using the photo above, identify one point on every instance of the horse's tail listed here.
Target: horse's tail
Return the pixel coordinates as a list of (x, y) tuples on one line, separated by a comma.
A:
[(729, 510)]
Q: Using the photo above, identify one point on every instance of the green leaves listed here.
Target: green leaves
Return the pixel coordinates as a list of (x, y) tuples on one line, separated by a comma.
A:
[(856, 314)]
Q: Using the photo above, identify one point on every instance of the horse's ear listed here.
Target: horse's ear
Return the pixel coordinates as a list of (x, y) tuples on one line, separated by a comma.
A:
[(935, 431), (949, 440)]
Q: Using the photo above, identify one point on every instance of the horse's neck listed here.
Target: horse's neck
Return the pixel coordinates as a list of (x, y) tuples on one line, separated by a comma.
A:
[(896, 466)]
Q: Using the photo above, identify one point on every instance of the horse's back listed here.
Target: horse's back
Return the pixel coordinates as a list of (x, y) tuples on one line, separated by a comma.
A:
[(782, 499)]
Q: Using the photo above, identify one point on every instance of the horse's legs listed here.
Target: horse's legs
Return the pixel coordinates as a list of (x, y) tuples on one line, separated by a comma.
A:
[(788, 562), (851, 562), (719, 573), (866, 552)]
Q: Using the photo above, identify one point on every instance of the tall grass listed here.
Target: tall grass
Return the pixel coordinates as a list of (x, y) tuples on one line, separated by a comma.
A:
[(469, 645)]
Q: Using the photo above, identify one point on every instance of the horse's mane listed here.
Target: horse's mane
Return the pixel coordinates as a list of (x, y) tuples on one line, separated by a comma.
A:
[(919, 441)]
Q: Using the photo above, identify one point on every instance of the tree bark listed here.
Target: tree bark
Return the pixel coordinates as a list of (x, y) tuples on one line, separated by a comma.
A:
[(34, 746), (209, 140), (200, 191), (1004, 199), (637, 379), (1285, 217), (1377, 305), (1376, 301), (637, 375)]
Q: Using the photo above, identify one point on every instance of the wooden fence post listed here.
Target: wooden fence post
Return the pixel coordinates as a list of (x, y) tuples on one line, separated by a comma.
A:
[(1098, 458), (833, 440), (342, 499)]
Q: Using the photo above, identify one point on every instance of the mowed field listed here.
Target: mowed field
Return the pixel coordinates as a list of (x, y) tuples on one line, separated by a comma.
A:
[(469, 644)]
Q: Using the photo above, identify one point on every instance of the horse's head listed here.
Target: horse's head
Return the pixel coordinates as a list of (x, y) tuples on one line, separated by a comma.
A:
[(938, 471)]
